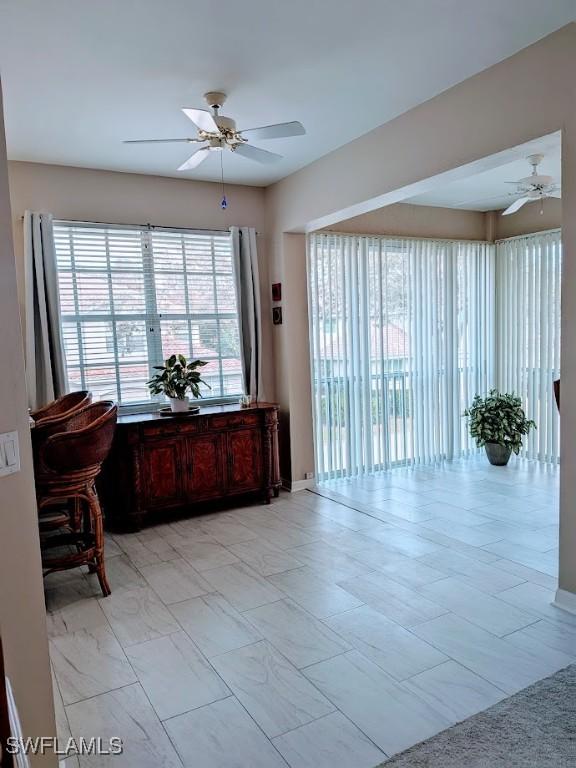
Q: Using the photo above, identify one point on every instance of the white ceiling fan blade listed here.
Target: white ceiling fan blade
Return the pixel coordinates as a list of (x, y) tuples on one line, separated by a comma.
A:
[(277, 131), (202, 118), (555, 193), (255, 153), (194, 161), (158, 141), (516, 205)]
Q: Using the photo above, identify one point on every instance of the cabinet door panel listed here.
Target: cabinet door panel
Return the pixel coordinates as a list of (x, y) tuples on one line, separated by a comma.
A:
[(244, 459), (205, 477), (161, 473)]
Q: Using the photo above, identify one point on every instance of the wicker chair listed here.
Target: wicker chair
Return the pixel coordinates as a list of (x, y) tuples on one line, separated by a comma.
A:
[(53, 417), (69, 462), (62, 407), (48, 421)]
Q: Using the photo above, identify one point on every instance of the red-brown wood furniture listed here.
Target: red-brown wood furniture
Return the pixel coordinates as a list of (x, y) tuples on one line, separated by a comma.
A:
[(160, 465)]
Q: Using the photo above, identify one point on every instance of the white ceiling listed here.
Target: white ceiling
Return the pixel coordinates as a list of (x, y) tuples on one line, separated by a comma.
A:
[(489, 190), (79, 76)]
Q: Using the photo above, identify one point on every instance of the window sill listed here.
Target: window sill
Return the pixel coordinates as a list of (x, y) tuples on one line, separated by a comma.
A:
[(149, 407)]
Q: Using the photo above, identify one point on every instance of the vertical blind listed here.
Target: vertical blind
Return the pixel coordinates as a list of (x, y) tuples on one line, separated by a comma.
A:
[(528, 332), (401, 339), (130, 297)]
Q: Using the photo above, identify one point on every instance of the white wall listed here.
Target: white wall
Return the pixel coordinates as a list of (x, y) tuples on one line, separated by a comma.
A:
[(128, 198), (22, 612)]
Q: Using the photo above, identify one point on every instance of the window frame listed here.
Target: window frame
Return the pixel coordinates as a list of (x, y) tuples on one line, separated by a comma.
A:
[(151, 316)]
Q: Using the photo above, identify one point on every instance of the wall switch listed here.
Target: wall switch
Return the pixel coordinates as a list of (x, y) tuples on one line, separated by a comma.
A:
[(9, 453)]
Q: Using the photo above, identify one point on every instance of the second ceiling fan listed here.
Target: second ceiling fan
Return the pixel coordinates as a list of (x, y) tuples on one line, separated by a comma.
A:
[(216, 133), (533, 187)]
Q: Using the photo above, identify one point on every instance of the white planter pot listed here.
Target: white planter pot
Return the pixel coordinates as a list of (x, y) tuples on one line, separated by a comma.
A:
[(179, 405)]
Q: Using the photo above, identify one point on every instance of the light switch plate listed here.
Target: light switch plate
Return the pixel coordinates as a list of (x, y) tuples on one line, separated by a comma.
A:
[(9, 453)]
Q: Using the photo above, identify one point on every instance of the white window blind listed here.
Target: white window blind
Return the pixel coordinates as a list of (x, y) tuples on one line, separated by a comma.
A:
[(528, 323), (401, 340), (130, 297)]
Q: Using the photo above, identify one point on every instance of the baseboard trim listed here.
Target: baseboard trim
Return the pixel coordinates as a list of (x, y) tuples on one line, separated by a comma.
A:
[(565, 600), (297, 485)]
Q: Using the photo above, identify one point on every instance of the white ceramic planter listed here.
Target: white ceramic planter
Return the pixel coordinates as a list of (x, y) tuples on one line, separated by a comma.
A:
[(179, 405)]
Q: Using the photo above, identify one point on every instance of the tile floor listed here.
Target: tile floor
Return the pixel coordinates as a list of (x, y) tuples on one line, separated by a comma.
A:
[(331, 628)]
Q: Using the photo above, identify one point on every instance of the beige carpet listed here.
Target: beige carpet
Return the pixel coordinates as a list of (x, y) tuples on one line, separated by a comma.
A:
[(535, 728)]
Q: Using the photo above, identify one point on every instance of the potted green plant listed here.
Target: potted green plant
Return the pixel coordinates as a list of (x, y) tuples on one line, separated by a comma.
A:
[(175, 378), (498, 423)]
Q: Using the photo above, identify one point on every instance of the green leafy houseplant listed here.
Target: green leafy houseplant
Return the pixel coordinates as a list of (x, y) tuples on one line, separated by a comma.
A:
[(175, 378), (499, 423)]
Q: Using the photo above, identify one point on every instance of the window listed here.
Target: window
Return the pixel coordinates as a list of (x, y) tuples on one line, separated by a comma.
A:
[(131, 297)]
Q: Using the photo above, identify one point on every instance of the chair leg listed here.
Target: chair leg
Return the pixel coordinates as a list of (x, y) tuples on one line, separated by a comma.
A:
[(90, 524), (98, 527), (77, 515)]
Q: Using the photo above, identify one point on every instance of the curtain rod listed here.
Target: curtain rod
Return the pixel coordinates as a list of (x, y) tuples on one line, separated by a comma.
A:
[(139, 226), (398, 237), (324, 232), (554, 231)]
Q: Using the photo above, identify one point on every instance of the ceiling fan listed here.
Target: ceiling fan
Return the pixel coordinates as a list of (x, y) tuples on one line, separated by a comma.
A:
[(217, 133), (533, 187)]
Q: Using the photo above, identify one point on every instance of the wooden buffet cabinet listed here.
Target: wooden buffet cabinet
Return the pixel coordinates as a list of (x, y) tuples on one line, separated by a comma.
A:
[(160, 465)]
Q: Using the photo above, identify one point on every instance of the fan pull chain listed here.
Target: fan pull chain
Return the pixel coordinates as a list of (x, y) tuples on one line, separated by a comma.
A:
[(223, 202)]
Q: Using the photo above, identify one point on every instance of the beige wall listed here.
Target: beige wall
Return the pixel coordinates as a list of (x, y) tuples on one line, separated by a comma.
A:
[(567, 575), (479, 118), (529, 219), (296, 387), (22, 612), (127, 198), (409, 220)]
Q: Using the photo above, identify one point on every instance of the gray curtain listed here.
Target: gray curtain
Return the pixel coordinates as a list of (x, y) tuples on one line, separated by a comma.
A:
[(248, 296), (45, 372)]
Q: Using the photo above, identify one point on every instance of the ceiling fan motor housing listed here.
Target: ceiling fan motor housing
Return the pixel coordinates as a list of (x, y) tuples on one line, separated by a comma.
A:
[(536, 180)]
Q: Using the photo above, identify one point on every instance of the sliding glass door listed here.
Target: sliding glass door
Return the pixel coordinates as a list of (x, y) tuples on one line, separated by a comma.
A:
[(528, 322), (401, 339)]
